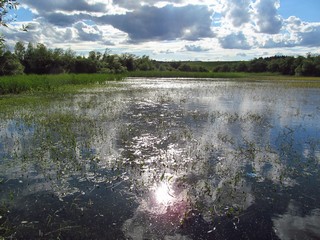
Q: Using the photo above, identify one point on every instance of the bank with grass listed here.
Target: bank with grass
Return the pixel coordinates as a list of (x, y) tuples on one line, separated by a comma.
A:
[(32, 83), (61, 82)]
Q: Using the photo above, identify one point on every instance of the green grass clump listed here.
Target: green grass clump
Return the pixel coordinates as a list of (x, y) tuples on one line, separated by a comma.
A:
[(31, 83)]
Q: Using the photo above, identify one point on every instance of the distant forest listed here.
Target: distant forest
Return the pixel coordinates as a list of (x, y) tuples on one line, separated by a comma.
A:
[(38, 59)]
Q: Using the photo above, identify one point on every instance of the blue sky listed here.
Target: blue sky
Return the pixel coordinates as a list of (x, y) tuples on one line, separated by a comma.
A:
[(172, 30), (307, 10)]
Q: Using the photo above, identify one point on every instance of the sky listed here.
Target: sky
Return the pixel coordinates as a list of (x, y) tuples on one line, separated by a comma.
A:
[(206, 30)]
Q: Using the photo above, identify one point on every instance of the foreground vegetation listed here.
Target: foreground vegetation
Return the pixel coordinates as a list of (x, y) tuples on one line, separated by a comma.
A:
[(29, 83), (60, 82)]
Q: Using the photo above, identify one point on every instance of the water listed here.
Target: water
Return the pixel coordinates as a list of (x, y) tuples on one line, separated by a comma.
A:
[(164, 159)]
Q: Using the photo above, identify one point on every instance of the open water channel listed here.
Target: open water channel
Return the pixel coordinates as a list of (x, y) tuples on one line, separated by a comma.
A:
[(163, 159)]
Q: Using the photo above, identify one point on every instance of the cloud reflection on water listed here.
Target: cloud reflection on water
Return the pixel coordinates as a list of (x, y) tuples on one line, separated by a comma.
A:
[(184, 150)]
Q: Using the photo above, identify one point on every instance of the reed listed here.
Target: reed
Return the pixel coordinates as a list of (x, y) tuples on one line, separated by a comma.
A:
[(31, 83)]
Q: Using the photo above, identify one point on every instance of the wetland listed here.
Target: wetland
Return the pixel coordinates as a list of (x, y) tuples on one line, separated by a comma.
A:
[(154, 158)]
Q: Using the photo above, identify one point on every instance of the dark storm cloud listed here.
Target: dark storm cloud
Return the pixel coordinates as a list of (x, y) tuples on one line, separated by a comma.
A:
[(234, 41), (63, 20), (167, 23)]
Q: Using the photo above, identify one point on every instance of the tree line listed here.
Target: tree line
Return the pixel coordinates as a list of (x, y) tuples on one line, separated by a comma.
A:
[(286, 65), (39, 59)]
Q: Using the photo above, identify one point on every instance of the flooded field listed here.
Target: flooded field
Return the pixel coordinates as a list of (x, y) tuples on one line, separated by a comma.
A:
[(163, 159)]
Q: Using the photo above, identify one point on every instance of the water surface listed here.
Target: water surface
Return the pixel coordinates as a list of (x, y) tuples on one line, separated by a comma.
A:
[(164, 159)]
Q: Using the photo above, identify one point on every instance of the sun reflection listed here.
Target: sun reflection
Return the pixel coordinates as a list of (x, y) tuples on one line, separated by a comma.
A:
[(163, 194)]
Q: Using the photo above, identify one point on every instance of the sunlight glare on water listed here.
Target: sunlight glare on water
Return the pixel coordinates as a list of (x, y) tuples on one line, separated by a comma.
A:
[(163, 194)]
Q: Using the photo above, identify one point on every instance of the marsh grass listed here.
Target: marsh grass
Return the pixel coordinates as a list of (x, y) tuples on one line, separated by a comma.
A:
[(31, 83), (73, 82), (178, 74)]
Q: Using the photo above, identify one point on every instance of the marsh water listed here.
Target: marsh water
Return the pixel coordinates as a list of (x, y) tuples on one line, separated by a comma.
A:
[(163, 159)]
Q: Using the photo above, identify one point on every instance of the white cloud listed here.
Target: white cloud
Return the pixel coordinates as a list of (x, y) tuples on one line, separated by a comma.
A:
[(87, 32), (295, 33), (234, 41), (218, 27), (195, 48), (167, 23), (266, 16), (237, 12)]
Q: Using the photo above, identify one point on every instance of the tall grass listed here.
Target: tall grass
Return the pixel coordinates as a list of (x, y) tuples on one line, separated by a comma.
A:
[(30, 83), (33, 83)]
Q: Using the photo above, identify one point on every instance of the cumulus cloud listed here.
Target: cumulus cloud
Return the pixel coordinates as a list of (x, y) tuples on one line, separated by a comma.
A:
[(241, 54), (221, 24), (13, 35), (195, 48), (63, 20), (306, 34), (167, 23), (311, 38), (294, 23), (142, 21), (87, 32), (64, 5), (234, 41), (131, 5), (295, 33), (267, 17), (237, 12)]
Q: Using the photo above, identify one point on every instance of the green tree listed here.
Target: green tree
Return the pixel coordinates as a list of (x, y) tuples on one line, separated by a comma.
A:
[(184, 68), (273, 66), (85, 65), (317, 65), (39, 59), (286, 66), (308, 68), (10, 64), (68, 60), (127, 60), (144, 63), (257, 65), (241, 67), (5, 6), (20, 50)]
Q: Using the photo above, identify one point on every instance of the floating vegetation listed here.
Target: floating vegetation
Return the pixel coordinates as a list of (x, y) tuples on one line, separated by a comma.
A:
[(161, 159)]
